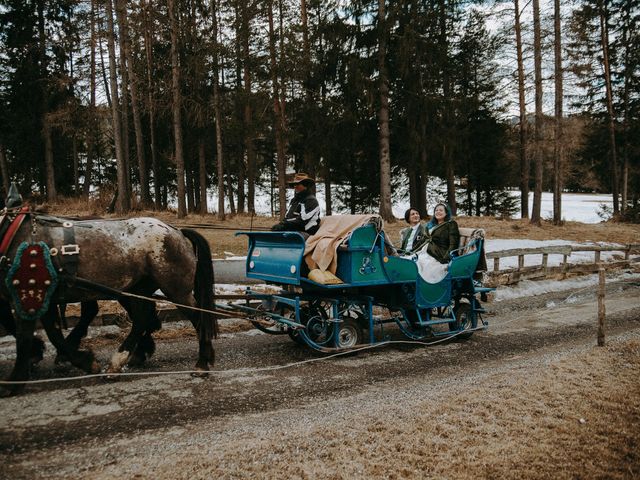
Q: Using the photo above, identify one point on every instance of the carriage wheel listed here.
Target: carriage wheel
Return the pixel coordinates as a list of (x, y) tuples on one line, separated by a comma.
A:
[(268, 325), (465, 320), (314, 316), (350, 333)]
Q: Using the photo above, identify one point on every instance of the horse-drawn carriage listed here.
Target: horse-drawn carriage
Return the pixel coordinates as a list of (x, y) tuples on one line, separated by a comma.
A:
[(45, 261), (370, 288)]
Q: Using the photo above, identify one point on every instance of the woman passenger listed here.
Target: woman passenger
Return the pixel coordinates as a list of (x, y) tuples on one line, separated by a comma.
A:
[(443, 232)]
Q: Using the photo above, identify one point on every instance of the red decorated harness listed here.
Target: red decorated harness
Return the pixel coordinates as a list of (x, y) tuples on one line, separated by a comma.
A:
[(31, 279)]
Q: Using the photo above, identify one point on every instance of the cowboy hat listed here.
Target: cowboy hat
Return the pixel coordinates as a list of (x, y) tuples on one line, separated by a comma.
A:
[(301, 178)]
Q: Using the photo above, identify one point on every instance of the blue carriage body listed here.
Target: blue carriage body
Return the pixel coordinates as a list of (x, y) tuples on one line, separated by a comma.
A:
[(370, 278)]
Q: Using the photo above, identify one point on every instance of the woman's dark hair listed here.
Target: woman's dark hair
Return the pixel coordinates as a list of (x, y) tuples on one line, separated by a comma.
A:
[(408, 212)]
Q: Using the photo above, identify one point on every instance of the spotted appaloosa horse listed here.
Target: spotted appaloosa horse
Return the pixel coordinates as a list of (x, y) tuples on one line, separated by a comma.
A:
[(133, 256)]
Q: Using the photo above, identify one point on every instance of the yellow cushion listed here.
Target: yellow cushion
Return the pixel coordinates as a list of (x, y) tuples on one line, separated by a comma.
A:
[(324, 277)]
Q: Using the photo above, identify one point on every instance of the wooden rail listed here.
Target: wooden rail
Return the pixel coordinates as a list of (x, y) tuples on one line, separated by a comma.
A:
[(510, 276)]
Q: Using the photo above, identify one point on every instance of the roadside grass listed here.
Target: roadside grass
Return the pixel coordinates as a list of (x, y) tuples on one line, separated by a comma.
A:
[(221, 234)]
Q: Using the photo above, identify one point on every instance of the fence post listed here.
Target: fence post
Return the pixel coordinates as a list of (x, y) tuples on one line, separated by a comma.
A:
[(601, 308)]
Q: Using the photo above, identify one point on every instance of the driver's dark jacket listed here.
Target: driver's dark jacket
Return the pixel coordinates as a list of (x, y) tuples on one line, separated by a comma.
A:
[(303, 214)]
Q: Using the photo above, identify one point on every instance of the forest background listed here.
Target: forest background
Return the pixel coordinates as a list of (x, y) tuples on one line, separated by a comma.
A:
[(157, 103)]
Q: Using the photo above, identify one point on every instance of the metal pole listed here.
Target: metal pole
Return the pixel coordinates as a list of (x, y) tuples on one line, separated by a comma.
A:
[(601, 307)]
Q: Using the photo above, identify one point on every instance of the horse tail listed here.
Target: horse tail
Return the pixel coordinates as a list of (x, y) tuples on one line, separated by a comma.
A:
[(204, 284)]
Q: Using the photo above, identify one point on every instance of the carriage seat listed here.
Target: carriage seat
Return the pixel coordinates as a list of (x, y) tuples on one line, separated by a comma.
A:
[(469, 259), (467, 237)]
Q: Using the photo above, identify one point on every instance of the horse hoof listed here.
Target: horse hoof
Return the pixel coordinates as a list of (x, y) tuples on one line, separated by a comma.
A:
[(118, 361), (60, 359), (201, 372), (95, 368), (10, 391), (5, 392), (33, 361), (137, 359)]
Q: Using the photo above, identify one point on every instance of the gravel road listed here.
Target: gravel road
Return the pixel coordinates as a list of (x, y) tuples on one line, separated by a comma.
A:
[(268, 397)]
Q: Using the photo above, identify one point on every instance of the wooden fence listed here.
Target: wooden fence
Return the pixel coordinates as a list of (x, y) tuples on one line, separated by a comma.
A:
[(513, 275)]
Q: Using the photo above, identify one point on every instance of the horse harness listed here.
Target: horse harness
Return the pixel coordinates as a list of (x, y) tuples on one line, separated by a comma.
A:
[(32, 276)]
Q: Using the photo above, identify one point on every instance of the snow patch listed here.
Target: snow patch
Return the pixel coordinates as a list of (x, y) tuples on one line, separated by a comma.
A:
[(530, 288)]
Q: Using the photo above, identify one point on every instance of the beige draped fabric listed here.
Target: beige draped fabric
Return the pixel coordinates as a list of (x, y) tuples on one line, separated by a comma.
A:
[(320, 251)]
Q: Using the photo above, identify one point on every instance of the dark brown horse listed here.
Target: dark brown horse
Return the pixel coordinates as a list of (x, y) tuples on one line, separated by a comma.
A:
[(84, 261)]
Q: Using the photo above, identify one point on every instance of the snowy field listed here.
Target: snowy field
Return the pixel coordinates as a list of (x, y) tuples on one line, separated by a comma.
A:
[(576, 207)]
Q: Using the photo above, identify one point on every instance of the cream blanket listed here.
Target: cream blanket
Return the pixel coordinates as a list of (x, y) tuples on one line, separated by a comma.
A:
[(321, 248)]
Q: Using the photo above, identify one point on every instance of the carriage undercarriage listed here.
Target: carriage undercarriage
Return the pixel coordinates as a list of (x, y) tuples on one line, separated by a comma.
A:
[(337, 323)]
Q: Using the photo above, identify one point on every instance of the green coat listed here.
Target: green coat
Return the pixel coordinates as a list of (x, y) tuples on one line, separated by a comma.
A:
[(421, 238), (444, 239)]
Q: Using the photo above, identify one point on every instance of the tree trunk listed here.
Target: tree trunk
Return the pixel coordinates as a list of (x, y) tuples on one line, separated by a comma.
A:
[(328, 200), (413, 186), (76, 164), (124, 99), (423, 178), (450, 177), (248, 114), (558, 152), (103, 69), (46, 123), (383, 118), (447, 141), (177, 107), (122, 200), (91, 133), (155, 168), (604, 36), (4, 170), (277, 118), (190, 189), (145, 197), (202, 174), (308, 157), (240, 101), (217, 113), (625, 105), (537, 57), (283, 83), (232, 204), (524, 159)]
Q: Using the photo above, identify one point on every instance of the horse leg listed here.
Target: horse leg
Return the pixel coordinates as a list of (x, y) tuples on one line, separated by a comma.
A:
[(85, 360), (139, 326), (206, 353), (146, 345), (24, 330), (9, 323), (88, 311)]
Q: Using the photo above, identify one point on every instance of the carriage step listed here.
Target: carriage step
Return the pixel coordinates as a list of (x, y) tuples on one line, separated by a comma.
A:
[(483, 289), (434, 322)]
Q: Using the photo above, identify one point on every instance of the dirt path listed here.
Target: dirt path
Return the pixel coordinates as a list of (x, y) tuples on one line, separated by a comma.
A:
[(532, 397)]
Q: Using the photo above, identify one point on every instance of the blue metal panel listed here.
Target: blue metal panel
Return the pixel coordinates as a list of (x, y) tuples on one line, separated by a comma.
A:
[(464, 266), (275, 256), (400, 269), (430, 295)]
